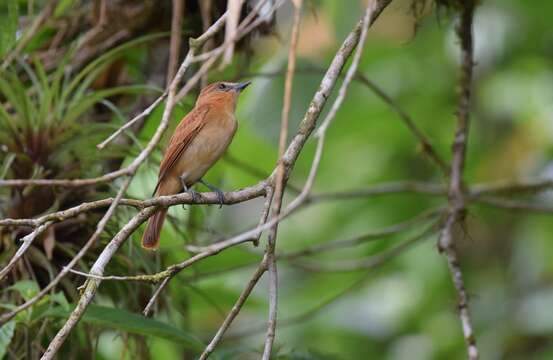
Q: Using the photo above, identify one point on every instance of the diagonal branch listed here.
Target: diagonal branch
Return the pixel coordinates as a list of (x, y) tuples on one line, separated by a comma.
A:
[(427, 147), (235, 309)]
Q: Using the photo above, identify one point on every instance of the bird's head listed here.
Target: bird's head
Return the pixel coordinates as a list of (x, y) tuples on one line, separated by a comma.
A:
[(222, 93)]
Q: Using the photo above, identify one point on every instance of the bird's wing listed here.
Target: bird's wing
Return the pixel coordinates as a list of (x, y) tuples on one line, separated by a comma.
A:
[(185, 132)]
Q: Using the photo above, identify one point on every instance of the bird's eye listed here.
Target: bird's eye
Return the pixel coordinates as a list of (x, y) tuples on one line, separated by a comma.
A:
[(221, 87)]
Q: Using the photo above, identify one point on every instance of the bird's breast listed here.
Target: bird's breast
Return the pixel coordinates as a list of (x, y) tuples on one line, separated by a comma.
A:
[(206, 148)]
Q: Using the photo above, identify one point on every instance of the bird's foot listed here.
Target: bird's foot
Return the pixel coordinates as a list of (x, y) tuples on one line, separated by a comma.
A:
[(220, 194), (195, 195), (188, 189)]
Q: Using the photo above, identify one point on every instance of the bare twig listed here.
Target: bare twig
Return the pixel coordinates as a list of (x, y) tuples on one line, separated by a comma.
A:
[(219, 246), (427, 147), (370, 263), (235, 309), (361, 239), (176, 36), (234, 8), (27, 241), (511, 205), (475, 194), (148, 309), (76, 315), (404, 116), (512, 187), (264, 212), (131, 122), (205, 10), (456, 191), (254, 171), (280, 183)]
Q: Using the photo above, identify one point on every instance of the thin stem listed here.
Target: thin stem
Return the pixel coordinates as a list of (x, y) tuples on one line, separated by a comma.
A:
[(456, 192)]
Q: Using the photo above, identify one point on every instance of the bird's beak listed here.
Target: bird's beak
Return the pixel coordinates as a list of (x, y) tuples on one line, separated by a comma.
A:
[(241, 86)]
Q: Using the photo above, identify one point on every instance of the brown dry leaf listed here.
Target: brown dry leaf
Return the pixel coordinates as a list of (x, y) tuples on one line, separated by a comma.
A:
[(49, 242)]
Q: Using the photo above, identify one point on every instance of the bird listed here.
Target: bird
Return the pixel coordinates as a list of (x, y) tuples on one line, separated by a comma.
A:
[(199, 140)]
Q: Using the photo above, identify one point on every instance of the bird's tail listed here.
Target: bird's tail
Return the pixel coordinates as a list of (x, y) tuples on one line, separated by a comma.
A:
[(150, 239)]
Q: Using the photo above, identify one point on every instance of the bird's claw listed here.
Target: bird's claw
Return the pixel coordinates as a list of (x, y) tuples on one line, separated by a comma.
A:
[(220, 194), (195, 195), (220, 197)]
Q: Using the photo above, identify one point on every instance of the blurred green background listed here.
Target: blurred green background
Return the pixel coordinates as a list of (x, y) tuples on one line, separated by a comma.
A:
[(404, 308)]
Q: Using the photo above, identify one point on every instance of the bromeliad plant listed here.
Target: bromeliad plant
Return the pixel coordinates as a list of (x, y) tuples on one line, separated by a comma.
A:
[(49, 125)]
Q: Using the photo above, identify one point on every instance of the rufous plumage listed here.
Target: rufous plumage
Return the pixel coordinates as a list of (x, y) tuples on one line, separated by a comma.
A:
[(200, 139)]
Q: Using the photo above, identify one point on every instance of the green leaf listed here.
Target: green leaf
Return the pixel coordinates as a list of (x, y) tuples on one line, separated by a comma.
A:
[(8, 26), (26, 288), (60, 299), (6, 334), (105, 58), (122, 320), (62, 7), (77, 108)]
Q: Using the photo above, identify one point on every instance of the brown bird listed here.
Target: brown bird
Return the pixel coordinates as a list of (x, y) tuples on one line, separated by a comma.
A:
[(199, 141)]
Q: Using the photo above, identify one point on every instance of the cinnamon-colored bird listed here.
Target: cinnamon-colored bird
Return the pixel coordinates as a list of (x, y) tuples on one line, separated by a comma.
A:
[(199, 141)]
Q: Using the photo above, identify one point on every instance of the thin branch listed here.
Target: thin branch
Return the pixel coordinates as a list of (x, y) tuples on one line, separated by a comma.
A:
[(235, 309), (27, 241), (394, 187), (254, 171), (377, 90), (148, 309), (384, 257), (58, 340), (205, 10), (176, 36), (373, 10), (264, 212), (456, 192), (280, 183), (234, 8), (427, 147), (370, 263), (218, 247), (478, 193), (131, 122), (245, 27), (512, 187), (511, 205), (364, 238)]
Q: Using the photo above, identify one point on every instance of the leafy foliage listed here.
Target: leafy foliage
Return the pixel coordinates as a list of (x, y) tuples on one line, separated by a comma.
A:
[(404, 309), (107, 317)]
